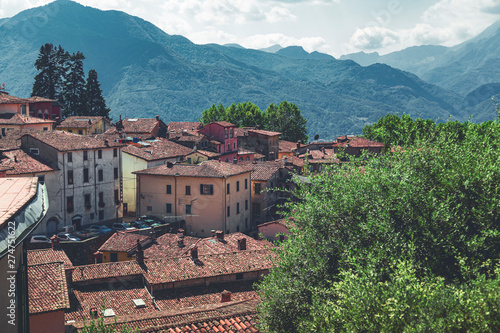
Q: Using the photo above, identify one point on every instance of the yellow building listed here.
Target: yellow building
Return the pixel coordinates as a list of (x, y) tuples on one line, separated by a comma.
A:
[(122, 245), (198, 156), (85, 125)]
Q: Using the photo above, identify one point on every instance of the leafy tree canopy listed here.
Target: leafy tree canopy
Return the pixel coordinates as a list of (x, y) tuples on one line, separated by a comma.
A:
[(285, 118), (403, 242)]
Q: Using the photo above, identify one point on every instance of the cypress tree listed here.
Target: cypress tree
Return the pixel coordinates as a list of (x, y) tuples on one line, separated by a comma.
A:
[(50, 64), (96, 105), (74, 88)]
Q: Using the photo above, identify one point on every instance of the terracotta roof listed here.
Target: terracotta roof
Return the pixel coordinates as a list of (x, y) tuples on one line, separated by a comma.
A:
[(65, 141), (284, 222), (12, 139), (122, 241), (79, 122), (17, 119), (212, 169), (190, 138), (21, 163), (164, 270), (37, 99), (359, 142), (242, 131), (264, 170), (162, 149), (47, 288), (167, 245), (139, 125), (287, 146), (243, 324), (179, 126), (208, 153), (295, 161), (8, 99), (263, 132), (45, 256), (223, 123), (14, 194)]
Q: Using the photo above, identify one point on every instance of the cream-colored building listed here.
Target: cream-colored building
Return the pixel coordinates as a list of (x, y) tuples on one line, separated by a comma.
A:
[(85, 125), (210, 196)]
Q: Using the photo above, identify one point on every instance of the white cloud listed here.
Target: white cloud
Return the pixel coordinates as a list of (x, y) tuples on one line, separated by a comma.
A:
[(308, 43), (371, 38)]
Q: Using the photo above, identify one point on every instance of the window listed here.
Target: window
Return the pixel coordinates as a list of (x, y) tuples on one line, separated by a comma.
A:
[(71, 131), (45, 128), (231, 133), (70, 157), (99, 153), (168, 208), (237, 208), (246, 204), (188, 190), (246, 184), (188, 210), (169, 189), (87, 201), (228, 147), (100, 174), (228, 190), (149, 208), (101, 199), (85, 155), (85, 175), (248, 158), (101, 215), (70, 177), (3, 131), (117, 196), (113, 257), (115, 171), (237, 186), (115, 152), (34, 151), (80, 132), (69, 203), (228, 211), (225, 133), (206, 189), (257, 188), (234, 145), (189, 160)]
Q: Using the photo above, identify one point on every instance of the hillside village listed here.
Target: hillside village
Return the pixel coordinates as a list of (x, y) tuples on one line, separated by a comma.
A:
[(175, 220)]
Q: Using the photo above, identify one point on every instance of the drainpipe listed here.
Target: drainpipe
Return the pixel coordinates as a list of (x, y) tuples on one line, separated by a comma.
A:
[(224, 209), (95, 189)]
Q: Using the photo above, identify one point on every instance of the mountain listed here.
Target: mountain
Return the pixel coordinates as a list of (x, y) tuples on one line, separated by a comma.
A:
[(145, 72), (463, 68)]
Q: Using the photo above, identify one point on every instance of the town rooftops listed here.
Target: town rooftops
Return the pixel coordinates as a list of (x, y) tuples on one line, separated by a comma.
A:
[(21, 163), (122, 241), (263, 132), (14, 194), (263, 171), (208, 169), (357, 142), (179, 126), (166, 270), (37, 99), (65, 141), (223, 123), (17, 119), (5, 98), (45, 256), (287, 146), (47, 288), (209, 154), (139, 125), (80, 122), (162, 149)]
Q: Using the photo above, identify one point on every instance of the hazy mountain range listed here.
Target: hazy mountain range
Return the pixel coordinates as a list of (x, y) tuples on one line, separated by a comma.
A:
[(144, 71)]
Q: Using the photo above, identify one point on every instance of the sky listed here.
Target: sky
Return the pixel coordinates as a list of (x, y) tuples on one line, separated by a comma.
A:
[(335, 27)]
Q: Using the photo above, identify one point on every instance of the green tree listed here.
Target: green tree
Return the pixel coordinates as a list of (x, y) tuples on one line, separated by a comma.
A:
[(96, 105), (214, 113), (287, 120), (74, 86), (50, 66), (406, 242)]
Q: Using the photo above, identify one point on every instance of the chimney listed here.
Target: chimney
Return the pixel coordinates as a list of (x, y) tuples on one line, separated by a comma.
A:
[(170, 164), (106, 143), (54, 240), (90, 122), (194, 252), (242, 244), (298, 144), (225, 296), (220, 235), (140, 253), (180, 242), (180, 233), (157, 118), (98, 257)]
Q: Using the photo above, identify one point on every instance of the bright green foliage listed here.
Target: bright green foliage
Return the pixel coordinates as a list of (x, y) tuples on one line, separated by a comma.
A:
[(285, 118), (96, 105), (98, 326), (398, 243)]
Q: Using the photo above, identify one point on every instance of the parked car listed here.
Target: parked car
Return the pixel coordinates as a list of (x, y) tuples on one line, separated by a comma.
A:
[(139, 224), (84, 234), (39, 239), (122, 227), (101, 229), (64, 236)]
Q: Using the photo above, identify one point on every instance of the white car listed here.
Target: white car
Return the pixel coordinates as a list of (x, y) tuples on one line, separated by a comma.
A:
[(39, 239), (64, 236)]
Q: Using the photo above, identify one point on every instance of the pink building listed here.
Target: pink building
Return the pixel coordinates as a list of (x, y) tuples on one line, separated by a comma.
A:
[(224, 133), (45, 108)]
